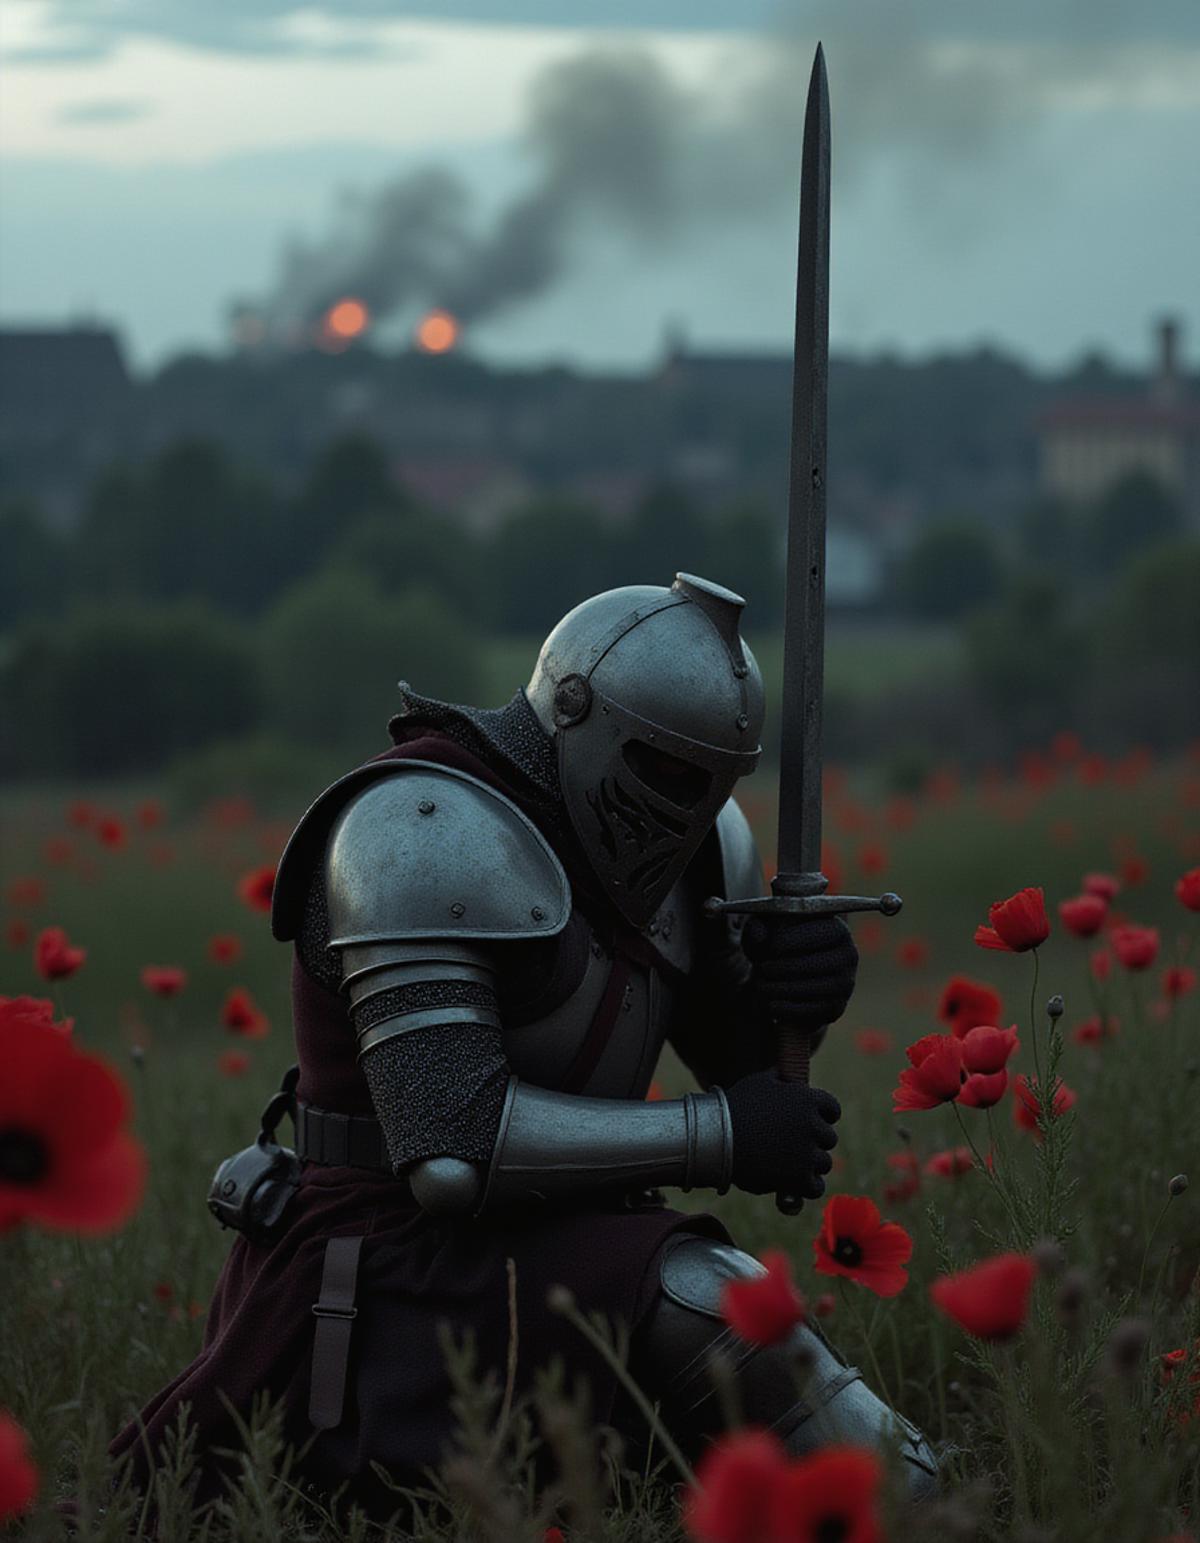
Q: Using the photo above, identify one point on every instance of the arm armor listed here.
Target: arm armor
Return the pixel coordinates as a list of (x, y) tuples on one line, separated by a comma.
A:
[(417, 918)]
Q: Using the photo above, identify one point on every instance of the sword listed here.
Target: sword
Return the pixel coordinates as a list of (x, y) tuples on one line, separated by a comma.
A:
[(798, 888)]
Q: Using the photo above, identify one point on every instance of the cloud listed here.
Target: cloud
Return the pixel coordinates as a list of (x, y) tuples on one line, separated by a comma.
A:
[(105, 110), (343, 27)]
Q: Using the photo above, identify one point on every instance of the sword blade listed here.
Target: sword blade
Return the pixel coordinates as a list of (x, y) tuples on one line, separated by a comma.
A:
[(799, 844)]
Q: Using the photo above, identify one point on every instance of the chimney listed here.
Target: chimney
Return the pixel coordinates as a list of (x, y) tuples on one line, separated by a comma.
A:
[(1166, 381)]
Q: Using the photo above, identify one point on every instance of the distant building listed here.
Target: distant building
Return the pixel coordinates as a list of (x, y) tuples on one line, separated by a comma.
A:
[(1090, 443)]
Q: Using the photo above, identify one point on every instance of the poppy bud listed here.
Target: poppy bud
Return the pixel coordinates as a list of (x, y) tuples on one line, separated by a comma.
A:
[(1127, 1345), (1055, 1007), (559, 1299), (1072, 1294), (1177, 1185), (1049, 1256)]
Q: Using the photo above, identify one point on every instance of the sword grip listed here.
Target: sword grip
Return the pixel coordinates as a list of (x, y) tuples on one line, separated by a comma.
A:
[(792, 1061)]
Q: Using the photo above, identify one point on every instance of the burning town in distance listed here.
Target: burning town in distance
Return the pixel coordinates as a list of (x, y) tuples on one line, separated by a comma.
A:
[(600, 772)]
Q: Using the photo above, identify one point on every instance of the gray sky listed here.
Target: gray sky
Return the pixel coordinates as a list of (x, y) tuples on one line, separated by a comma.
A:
[(1026, 174)]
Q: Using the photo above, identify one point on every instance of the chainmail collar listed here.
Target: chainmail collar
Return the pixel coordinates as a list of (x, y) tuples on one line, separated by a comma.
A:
[(510, 733)]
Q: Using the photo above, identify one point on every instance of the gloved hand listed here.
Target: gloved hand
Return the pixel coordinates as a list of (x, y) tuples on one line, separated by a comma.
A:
[(782, 1134), (803, 968)]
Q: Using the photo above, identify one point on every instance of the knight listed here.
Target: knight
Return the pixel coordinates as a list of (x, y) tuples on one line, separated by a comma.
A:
[(498, 927)]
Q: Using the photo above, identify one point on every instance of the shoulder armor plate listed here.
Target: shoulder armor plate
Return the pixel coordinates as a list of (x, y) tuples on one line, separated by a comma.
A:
[(431, 852), (741, 864)]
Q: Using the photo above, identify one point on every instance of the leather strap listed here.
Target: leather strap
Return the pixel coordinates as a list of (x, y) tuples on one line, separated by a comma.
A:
[(340, 1140), (335, 1313), (600, 1029)]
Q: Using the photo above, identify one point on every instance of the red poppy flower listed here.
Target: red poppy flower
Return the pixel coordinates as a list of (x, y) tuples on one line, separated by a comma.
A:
[(18, 1475), (900, 813), (256, 888), (1016, 924), (1178, 981), (1106, 886), (1135, 947), (58, 851), (991, 1300), (831, 866), (150, 814), (1066, 746), (1027, 1103), (225, 948), (163, 1291), (764, 1310), (735, 1484), (834, 1494), (1083, 916), (913, 953), (241, 1015), (987, 1049), (1101, 964), (554, 1535), (53, 955), (981, 1090), (654, 1093), (909, 1182), (1135, 870), (110, 831), (33, 1013), (854, 1242), (1095, 1030), (950, 1164), (966, 1003), (872, 858), (233, 1063), (81, 815), (66, 1159), (872, 1042), (869, 935), (27, 891), (825, 1305), (1187, 889), (16, 933), (935, 1075), (164, 980)]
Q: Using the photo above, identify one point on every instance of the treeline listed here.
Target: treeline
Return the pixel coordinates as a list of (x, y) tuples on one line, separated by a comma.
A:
[(196, 605)]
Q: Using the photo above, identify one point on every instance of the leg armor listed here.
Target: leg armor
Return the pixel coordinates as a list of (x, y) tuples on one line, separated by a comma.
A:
[(670, 1353)]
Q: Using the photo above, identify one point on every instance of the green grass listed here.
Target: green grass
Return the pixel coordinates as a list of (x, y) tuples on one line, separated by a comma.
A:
[(1045, 1434)]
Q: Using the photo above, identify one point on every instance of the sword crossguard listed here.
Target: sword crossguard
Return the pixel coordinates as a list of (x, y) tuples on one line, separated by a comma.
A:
[(799, 894)]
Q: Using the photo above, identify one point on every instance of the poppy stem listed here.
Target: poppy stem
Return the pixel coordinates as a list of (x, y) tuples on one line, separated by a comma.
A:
[(983, 1168), (1150, 1243), (868, 1343), (1037, 1062)]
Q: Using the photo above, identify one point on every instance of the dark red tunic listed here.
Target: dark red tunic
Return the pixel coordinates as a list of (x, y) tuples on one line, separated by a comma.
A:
[(416, 1273)]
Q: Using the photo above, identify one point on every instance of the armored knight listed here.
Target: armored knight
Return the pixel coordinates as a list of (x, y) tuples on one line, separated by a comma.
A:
[(498, 925)]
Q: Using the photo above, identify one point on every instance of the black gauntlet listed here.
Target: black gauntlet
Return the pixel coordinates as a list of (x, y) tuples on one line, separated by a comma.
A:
[(803, 968), (782, 1134)]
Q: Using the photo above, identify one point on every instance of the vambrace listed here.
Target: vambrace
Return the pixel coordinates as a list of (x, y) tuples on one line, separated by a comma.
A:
[(552, 1146)]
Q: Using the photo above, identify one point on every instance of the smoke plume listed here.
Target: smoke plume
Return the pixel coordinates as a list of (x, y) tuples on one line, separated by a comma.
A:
[(615, 145)]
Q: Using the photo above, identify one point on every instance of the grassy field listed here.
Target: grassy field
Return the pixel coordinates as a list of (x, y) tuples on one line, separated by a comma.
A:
[(1071, 1432)]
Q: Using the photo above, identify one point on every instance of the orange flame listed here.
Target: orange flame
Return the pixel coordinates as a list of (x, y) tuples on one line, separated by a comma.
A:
[(346, 319), (437, 333)]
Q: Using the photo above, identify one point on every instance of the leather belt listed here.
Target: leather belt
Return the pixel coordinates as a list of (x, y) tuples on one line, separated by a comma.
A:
[(340, 1140)]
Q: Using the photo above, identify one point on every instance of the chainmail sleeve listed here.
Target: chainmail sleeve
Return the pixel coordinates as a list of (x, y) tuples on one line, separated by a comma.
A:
[(430, 1047)]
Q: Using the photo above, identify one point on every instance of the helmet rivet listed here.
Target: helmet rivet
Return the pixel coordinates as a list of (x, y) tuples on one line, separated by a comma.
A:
[(538, 914), (572, 700), (742, 721), (426, 806), (740, 671), (457, 908)]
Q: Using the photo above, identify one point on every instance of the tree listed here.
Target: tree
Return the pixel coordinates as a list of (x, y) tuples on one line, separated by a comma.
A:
[(334, 648), (349, 481), (114, 690), (546, 558), (951, 569), (1136, 513), (34, 568)]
